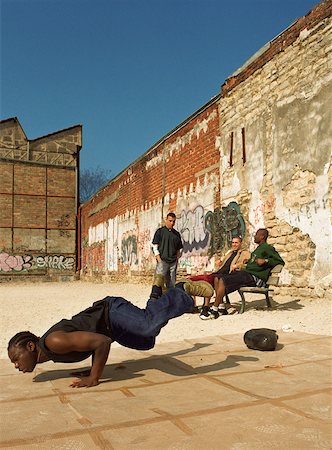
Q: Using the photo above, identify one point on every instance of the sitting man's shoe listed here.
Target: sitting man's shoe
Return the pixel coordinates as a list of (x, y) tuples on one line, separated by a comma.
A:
[(213, 314), (204, 315), (222, 311), (198, 288)]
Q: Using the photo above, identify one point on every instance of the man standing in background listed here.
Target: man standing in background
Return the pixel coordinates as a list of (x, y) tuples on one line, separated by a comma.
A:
[(166, 246)]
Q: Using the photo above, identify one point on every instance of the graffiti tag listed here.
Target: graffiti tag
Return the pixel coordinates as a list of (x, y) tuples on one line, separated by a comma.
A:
[(224, 223), (129, 250), (17, 263), (55, 262), (191, 226)]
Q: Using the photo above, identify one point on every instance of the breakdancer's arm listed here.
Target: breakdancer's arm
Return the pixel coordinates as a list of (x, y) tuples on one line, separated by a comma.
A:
[(61, 342)]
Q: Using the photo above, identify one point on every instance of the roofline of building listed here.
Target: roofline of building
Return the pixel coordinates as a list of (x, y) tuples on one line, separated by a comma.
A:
[(14, 119), (277, 45), (214, 99), (56, 132)]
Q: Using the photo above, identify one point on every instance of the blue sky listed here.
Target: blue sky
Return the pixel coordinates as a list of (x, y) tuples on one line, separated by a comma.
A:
[(127, 70)]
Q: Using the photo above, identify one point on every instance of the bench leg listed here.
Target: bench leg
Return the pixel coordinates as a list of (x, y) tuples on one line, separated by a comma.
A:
[(243, 302), (267, 300), (226, 299)]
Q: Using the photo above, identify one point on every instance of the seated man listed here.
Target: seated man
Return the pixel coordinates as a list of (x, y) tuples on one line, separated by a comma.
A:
[(234, 260), (256, 273)]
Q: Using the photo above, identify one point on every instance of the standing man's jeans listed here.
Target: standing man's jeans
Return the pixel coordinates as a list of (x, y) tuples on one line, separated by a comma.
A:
[(137, 328), (169, 272)]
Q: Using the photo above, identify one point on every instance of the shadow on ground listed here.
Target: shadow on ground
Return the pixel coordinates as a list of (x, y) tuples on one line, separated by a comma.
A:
[(130, 369)]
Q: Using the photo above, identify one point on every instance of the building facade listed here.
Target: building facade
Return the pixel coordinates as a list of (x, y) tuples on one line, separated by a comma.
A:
[(257, 155), (39, 202)]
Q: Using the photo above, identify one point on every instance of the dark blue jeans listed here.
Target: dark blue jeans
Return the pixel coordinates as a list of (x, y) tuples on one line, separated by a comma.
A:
[(137, 328)]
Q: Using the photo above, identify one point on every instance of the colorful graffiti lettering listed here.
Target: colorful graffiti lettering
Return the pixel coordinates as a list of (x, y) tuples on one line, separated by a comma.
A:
[(144, 243), (200, 263), (17, 263), (129, 250), (94, 260), (191, 226), (56, 262), (223, 224), (259, 211)]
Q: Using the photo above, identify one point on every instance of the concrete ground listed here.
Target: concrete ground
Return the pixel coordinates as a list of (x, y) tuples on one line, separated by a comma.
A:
[(208, 393)]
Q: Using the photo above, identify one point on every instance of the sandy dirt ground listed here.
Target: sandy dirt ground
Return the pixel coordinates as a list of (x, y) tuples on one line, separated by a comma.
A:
[(37, 306)]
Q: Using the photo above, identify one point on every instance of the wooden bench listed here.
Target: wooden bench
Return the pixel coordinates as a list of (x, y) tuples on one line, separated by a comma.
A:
[(272, 280)]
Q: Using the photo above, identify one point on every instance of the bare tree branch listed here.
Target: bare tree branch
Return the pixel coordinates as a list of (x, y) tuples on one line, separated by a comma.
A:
[(91, 180)]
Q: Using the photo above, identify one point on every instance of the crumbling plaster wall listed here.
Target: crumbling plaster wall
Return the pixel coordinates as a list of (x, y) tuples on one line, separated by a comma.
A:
[(285, 110)]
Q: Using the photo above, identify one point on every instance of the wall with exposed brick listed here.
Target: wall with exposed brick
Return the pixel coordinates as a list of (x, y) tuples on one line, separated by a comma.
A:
[(38, 197), (257, 155), (284, 108), (179, 173)]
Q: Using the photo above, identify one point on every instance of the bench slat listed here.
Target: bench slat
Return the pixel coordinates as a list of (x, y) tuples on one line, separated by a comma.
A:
[(272, 280)]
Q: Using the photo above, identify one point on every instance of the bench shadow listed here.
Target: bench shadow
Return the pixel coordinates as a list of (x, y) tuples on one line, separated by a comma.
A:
[(166, 363), (260, 304)]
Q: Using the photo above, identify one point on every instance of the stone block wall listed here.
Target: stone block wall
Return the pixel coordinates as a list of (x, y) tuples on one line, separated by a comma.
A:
[(38, 197), (284, 108)]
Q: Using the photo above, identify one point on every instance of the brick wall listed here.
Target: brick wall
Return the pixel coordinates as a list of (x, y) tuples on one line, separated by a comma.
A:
[(38, 197), (179, 173)]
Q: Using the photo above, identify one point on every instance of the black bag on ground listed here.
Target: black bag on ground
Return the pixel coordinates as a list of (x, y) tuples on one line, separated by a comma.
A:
[(261, 339)]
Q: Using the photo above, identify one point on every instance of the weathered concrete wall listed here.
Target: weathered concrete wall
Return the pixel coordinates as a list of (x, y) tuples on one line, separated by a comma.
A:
[(38, 197), (257, 155), (285, 109)]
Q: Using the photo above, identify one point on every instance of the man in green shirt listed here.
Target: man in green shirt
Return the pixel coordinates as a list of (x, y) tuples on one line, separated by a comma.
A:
[(256, 273)]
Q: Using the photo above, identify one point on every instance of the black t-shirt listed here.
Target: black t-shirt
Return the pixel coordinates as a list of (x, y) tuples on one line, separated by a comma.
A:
[(226, 267), (94, 319), (169, 243)]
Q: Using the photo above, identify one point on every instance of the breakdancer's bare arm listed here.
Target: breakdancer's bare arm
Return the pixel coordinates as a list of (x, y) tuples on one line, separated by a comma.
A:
[(61, 342)]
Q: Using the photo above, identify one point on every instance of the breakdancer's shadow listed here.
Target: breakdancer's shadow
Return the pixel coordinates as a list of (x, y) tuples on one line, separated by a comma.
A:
[(167, 363)]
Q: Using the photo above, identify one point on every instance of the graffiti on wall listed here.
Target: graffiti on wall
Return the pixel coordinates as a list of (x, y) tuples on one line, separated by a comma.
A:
[(17, 263), (59, 262), (224, 223), (198, 262), (203, 233), (94, 260), (192, 227), (259, 211), (129, 249), (265, 207), (144, 246), (209, 232)]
